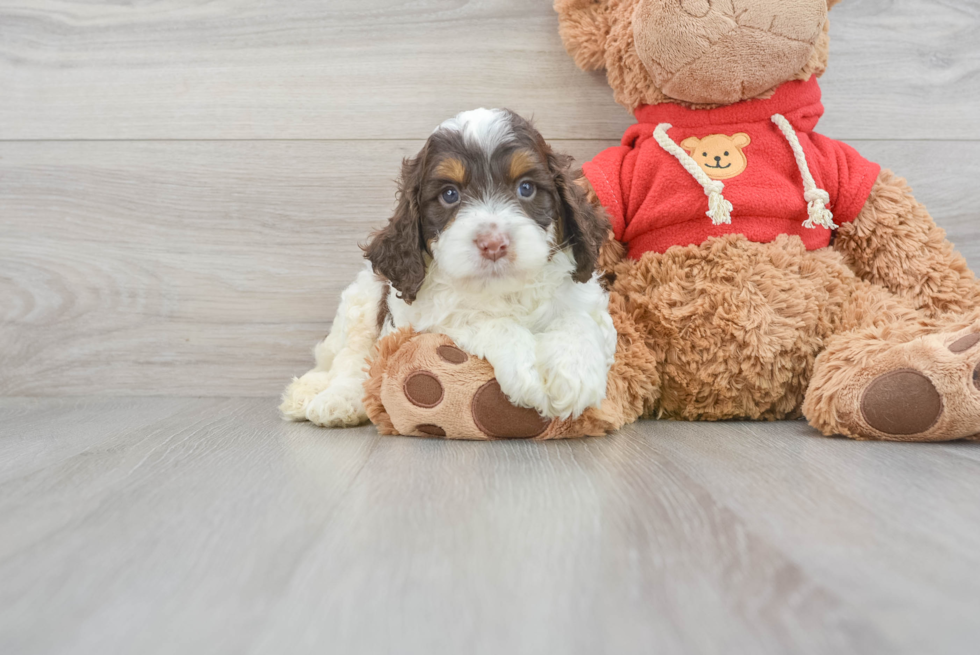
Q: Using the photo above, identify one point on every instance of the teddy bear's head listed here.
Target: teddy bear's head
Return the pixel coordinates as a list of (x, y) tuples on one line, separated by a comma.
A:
[(696, 52)]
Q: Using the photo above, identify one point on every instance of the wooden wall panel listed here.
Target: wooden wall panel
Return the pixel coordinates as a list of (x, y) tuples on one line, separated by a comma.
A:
[(370, 69)]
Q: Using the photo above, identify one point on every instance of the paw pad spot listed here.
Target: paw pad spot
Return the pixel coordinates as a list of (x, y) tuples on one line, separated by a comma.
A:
[(496, 417), (964, 344), (423, 389), (902, 402), (432, 430), (976, 376), (456, 356)]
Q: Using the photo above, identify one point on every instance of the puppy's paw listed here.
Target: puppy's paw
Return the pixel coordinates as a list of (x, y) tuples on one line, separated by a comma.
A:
[(573, 379), (339, 405), (300, 392), (523, 387)]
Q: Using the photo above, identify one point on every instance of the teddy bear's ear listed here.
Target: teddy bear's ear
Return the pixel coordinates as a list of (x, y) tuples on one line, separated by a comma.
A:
[(584, 28), (741, 140), (831, 3), (690, 143)]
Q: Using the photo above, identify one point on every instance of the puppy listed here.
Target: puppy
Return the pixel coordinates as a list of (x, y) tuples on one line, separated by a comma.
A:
[(493, 244)]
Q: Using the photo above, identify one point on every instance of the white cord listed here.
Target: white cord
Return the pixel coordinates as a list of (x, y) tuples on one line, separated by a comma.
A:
[(817, 198), (719, 209)]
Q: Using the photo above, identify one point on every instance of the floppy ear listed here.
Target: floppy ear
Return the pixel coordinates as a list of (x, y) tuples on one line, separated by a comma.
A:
[(691, 143), (584, 28), (741, 140), (396, 251), (581, 224)]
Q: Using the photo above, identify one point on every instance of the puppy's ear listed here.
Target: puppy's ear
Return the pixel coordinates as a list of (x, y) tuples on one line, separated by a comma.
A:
[(582, 225), (396, 251)]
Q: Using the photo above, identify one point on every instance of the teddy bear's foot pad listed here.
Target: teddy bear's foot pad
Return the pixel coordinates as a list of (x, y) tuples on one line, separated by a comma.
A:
[(497, 417), (927, 389), (902, 403)]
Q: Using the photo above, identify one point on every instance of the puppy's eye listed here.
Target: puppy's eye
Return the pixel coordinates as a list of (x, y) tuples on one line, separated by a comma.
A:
[(526, 190), (449, 196)]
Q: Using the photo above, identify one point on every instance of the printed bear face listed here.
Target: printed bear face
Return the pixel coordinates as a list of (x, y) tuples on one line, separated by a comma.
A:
[(719, 155), (697, 53)]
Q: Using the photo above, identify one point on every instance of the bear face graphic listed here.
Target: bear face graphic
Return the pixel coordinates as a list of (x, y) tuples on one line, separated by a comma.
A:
[(719, 155)]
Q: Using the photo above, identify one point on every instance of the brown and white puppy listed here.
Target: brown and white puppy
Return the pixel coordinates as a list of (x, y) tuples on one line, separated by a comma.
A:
[(494, 245)]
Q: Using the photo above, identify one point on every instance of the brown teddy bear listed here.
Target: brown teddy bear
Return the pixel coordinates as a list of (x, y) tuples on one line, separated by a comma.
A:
[(758, 270)]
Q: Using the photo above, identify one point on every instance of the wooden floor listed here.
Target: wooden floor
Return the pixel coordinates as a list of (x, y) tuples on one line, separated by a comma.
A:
[(183, 185), (209, 526)]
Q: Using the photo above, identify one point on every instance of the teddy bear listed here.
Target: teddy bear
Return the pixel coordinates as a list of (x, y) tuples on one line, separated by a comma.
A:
[(756, 269)]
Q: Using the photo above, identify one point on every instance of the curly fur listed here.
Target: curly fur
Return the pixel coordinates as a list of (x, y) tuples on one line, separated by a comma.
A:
[(895, 243), (583, 223), (397, 250)]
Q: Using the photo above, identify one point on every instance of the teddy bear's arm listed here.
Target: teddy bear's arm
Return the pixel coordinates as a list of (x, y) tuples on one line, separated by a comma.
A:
[(895, 243)]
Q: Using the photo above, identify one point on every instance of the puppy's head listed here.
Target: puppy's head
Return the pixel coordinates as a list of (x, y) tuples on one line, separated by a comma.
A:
[(486, 199)]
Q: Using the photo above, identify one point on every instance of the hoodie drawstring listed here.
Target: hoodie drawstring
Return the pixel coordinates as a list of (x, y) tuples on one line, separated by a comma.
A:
[(719, 209), (817, 198)]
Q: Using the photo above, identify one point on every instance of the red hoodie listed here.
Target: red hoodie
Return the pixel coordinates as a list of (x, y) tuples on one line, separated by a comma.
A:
[(655, 203)]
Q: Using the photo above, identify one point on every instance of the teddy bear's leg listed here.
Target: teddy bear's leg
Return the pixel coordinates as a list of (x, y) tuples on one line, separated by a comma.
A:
[(895, 243), (898, 376), (424, 385)]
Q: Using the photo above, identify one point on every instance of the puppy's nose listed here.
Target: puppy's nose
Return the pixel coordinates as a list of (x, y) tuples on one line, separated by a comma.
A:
[(492, 245)]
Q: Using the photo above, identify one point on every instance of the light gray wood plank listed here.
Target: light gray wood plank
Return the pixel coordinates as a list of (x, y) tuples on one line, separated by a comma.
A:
[(888, 508), (31, 439), (388, 69), (220, 529), (151, 487), (211, 268)]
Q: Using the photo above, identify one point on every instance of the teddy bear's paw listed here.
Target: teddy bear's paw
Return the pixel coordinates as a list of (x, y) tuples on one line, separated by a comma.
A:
[(434, 389), (339, 405), (924, 390), (300, 392)]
